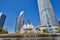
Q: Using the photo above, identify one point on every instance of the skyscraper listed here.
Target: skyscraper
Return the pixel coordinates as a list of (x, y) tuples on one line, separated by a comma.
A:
[(59, 23), (2, 19), (19, 21), (47, 16)]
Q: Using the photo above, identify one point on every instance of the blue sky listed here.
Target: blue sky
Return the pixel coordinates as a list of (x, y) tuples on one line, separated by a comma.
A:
[(12, 9)]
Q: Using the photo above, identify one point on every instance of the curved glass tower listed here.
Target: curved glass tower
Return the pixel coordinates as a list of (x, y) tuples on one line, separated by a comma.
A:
[(47, 16), (19, 21)]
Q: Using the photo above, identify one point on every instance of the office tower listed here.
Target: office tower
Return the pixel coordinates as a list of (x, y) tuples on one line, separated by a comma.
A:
[(16, 25), (2, 19), (19, 22), (47, 16), (59, 23)]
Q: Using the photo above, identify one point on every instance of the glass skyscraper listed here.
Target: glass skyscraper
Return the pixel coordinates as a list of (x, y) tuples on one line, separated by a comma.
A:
[(2, 19), (59, 23), (19, 22), (47, 16)]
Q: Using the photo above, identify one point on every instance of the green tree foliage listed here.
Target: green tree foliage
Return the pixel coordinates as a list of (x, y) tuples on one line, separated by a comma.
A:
[(59, 30), (3, 31), (38, 29), (45, 31)]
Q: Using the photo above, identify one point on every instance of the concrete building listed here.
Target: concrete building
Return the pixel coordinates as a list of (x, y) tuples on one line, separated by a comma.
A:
[(2, 19), (51, 29), (19, 22), (27, 28), (46, 12), (47, 16)]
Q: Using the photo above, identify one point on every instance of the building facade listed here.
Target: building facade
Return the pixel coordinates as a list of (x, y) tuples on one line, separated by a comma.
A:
[(27, 28), (46, 12), (2, 19), (19, 22), (59, 23), (47, 16)]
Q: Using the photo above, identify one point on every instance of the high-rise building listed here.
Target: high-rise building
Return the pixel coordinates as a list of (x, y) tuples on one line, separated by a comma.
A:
[(59, 23), (16, 25), (19, 21), (47, 16), (2, 19)]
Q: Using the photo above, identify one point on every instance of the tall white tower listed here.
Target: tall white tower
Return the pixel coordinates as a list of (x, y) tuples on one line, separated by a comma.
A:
[(19, 22), (47, 16)]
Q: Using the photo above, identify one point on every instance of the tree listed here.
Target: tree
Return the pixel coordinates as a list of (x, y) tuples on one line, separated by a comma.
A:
[(3, 31), (59, 30), (38, 29), (45, 31)]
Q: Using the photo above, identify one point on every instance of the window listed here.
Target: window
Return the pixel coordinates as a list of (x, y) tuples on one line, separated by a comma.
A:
[(49, 25)]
